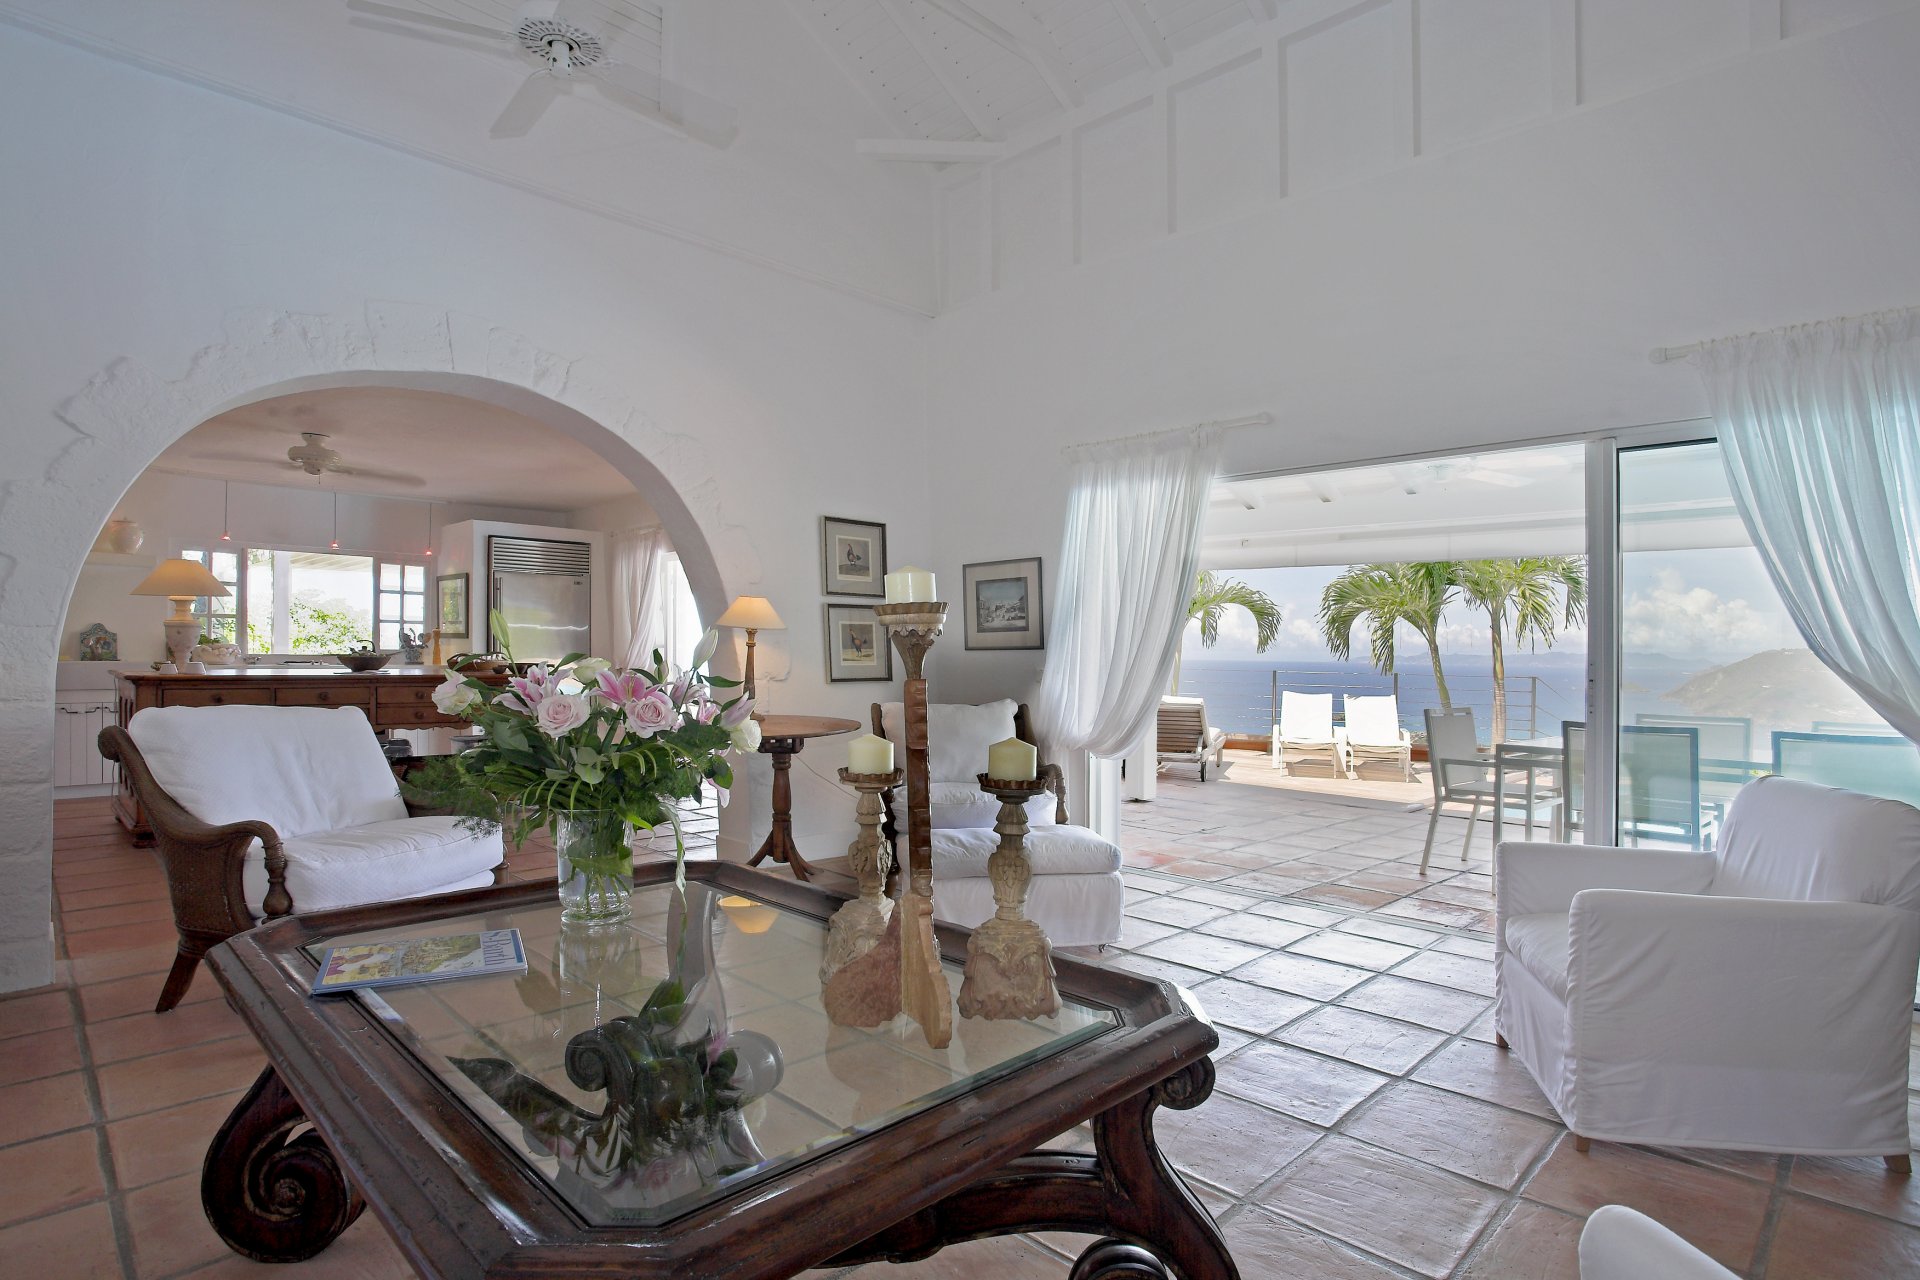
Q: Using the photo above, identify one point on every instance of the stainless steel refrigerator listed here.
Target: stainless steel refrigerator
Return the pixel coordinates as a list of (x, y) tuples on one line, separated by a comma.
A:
[(542, 593)]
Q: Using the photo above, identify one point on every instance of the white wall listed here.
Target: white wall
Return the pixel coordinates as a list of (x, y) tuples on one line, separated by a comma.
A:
[(192, 242), (1502, 291), (176, 511)]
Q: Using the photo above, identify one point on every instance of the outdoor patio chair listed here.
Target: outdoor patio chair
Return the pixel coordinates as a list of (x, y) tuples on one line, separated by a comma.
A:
[(1373, 732), (266, 811), (1183, 736), (1878, 764), (1463, 774), (1306, 731), (1659, 795)]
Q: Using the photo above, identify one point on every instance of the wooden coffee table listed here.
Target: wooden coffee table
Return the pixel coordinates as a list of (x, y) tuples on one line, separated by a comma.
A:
[(859, 1145)]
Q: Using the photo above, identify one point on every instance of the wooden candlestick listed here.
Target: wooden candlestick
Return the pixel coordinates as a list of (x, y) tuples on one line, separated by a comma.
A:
[(857, 926), (1009, 961), (924, 993)]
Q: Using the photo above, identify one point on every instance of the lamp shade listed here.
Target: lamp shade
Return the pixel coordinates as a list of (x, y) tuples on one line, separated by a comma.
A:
[(181, 578), (751, 611)]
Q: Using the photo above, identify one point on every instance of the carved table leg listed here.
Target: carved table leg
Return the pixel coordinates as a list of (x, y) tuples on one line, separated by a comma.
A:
[(1152, 1225), (269, 1198)]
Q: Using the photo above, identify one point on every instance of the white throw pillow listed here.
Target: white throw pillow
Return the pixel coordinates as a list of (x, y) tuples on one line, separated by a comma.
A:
[(299, 769), (958, 735)]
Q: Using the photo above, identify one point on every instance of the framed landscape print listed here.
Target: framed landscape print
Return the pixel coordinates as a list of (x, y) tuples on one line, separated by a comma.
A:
[(453, 605), (857, 647), (853, 557), (1003, 604)]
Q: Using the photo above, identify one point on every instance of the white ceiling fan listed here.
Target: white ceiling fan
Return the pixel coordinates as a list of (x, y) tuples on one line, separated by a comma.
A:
[(313, 456), (569, 43)]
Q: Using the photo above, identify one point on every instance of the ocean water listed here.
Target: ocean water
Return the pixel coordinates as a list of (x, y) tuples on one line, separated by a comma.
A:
[(1542, 689)]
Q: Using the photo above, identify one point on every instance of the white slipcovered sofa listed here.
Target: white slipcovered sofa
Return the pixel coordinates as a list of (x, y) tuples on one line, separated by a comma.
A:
[(265, 811), (1755, 997), (1076, 894)]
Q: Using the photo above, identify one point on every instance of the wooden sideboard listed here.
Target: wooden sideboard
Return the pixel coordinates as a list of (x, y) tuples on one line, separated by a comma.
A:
[(391, 699)]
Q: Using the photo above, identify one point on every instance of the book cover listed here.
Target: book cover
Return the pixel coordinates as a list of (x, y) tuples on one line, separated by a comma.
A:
[(404, 960)]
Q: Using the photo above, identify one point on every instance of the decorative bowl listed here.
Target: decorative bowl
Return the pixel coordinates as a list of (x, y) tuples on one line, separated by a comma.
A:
[(365, 659)]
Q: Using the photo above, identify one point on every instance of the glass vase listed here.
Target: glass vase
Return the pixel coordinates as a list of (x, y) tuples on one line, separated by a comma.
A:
[(595, 854)]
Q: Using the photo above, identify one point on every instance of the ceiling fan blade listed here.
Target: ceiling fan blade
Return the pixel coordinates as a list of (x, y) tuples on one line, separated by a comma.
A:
[(454, 25), (245, 459), (529, 102), (390, 477), (667, 102)]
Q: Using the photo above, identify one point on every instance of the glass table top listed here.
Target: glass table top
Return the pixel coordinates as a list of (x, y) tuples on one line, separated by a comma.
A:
[(649, 1068)]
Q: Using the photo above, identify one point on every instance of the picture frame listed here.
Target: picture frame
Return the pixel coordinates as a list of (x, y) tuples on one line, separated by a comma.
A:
[(452, 590), (857, 645), (853, 557), (1003, 604)]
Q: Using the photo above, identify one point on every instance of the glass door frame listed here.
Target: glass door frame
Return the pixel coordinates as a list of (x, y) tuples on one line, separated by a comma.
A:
[(1604, 625)]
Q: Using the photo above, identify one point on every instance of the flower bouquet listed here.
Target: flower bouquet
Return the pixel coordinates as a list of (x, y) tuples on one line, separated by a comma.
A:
[(590, 753)]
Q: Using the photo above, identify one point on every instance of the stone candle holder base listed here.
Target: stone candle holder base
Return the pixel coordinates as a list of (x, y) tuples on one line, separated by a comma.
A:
[(856, 927), (1009, 960)]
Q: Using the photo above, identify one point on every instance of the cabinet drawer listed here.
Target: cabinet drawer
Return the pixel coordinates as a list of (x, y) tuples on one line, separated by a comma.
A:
[(349, 696), (388, 716), (203, 696), (417, 695)]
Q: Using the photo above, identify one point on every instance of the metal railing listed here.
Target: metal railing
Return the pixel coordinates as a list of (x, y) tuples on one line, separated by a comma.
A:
[(1245, 701)]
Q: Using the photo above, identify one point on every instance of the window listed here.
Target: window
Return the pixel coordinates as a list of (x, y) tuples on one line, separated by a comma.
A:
[(311, 602), (219, 617)]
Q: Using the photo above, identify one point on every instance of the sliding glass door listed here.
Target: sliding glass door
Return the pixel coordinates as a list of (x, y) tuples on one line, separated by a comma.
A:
[(1713, 685)]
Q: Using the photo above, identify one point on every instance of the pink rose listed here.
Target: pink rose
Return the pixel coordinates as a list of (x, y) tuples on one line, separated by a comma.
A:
[(561, 713), (650, 713)]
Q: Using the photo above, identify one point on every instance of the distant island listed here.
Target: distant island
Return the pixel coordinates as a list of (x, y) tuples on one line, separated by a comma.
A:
[(1781, 688)]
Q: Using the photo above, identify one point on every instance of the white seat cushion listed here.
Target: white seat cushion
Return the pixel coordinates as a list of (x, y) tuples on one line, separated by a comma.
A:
[(298, 769), (962, 854), (378, 862), (1541, 945)]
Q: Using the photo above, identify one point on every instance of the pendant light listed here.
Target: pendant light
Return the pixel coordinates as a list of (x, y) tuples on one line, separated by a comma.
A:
[(429, 528), (226, 525), (335, 544)]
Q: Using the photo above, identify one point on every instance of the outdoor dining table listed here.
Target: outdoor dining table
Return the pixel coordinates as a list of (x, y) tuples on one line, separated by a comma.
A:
[(1533, 756)]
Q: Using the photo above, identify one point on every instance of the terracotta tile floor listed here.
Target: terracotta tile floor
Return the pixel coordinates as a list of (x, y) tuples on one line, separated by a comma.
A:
[(1364, 1127)]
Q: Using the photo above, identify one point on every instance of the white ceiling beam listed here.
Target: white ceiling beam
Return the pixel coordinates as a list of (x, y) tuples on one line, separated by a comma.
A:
[(1246, 495), (910, 151), (916, 34), (1021, 36), (1262, 10), (1145, 32), (836, 50), (1323, 488)]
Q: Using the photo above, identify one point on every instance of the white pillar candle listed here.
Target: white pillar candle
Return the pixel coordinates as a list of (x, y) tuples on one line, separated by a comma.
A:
[(870, 754), (910, 586), (1012, 761)]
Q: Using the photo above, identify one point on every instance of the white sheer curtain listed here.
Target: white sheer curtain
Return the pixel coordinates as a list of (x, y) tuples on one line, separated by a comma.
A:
[(1127, 565), (1820, 428), (634, 593)]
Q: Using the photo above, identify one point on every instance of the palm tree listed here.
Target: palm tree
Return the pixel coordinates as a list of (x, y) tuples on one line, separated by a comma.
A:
[(1212, 596), (1525, 592), (1386, 595)]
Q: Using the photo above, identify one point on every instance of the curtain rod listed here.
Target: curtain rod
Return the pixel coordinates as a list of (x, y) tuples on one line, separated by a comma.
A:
[(1664, 355), (1220, 424)]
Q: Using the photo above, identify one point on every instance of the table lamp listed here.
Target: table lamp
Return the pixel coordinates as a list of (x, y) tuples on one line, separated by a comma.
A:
[(183, 582), (751, 613)]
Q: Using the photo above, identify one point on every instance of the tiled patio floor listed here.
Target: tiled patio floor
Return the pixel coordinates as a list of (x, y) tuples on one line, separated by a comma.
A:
[(1363, 1126)]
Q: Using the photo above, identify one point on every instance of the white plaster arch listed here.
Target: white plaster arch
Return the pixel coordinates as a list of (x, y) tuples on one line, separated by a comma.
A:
[(128, 413)]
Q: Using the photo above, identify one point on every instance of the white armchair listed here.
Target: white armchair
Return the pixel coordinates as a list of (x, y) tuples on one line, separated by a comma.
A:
[(264, 811), (1619, 1243), (1756, 997), (1076, 894)]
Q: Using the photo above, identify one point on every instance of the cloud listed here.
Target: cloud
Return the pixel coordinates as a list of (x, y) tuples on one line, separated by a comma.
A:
[(1672, 617)]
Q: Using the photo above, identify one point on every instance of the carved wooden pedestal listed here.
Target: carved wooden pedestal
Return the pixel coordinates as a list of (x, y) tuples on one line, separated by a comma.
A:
[(1009, 962), (924, 993)]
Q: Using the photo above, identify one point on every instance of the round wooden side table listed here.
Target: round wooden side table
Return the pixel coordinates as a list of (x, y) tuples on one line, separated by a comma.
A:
[(782, 737)]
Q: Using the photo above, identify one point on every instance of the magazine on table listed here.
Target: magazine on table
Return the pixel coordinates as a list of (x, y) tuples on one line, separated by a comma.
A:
[(361, 966)]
